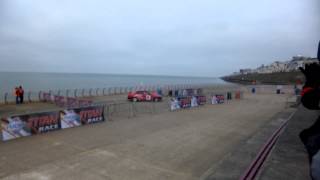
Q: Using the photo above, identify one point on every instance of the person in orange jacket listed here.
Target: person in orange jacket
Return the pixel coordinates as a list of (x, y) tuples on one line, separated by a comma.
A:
[(21, 94), (16, 93)]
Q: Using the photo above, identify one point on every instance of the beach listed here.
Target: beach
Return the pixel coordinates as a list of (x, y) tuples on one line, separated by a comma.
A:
[(187, 144)]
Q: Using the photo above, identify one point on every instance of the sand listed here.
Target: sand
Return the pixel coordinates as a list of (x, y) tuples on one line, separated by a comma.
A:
[(168, 145)]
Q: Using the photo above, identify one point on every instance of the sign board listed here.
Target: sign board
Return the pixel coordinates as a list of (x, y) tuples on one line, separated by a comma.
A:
[(26, 125)]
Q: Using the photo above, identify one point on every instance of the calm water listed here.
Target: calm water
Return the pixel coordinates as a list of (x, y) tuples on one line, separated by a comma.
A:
[(54, 81)]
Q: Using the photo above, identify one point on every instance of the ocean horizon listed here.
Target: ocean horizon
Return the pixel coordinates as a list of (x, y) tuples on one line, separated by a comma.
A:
[(44, 81)]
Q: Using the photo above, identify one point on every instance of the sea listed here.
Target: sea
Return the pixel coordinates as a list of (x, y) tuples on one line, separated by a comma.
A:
[(34, 81)]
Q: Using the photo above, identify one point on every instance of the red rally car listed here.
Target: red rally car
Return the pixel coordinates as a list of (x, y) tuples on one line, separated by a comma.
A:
[(144, 96)]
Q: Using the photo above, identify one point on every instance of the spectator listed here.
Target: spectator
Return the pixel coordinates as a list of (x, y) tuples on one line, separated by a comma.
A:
[(16, 93), (279, 88), (310, 98), (21, 94)]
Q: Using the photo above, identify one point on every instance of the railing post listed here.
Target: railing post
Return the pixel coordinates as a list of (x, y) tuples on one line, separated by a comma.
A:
[(29, 96), (57, 93), (67, 93), (114, 90), (75, 93), (103, 91), (39, 95), (109, 90), (82, 93), (97, 92), (90, 92), (6, 98)]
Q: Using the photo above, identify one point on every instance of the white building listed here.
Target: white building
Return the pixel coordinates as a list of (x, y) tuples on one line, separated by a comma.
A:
[(277, 66)]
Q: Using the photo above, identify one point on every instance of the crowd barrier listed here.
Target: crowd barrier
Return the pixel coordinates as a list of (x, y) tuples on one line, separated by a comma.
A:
[(186, 102), (16, 126), (38, 123), (36, 96), (62, 101)]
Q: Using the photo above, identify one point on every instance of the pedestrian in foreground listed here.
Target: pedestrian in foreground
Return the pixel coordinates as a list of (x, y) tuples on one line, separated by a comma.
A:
[(310, 98)]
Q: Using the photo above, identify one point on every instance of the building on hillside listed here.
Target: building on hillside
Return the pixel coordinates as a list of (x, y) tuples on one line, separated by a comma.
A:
[(245, 71), (288, 66)]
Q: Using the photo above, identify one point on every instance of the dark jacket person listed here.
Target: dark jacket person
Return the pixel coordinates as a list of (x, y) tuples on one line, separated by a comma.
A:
[(310, 98)]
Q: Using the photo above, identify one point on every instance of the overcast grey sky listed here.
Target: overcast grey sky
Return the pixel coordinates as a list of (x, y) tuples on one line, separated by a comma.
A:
[(172, 37)]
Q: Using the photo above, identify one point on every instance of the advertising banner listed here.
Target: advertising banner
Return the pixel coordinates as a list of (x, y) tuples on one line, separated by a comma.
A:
[(69, 118), (47, 97), (174, 104), (185, 102), (42, 122), (90, 115), (26, 125), (14, 128), (59, 100), (217, 99), (202, 100), (220, 99), (62, 101), (80, 116), (72, 102), (194, 101)]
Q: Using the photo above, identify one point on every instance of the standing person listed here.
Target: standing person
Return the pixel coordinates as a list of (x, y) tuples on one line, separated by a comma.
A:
[(253, 89), (21, 94), (16, 94), (279, 88)]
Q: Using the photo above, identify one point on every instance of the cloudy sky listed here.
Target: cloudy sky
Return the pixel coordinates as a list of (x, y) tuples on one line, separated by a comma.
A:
[(169, 37)]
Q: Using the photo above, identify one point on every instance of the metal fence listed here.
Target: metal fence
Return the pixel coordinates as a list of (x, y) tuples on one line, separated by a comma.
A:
[(132, 109), (35, 96)]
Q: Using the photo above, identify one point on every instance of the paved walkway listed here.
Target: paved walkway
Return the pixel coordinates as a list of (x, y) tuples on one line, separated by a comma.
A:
[(237, 161), (179, 145), (289, 158)]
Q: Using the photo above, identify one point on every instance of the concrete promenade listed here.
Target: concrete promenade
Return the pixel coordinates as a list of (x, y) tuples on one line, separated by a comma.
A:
[(289, 158), (198, 143)]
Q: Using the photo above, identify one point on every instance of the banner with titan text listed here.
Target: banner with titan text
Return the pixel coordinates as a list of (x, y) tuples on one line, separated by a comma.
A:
[(26, 125)]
